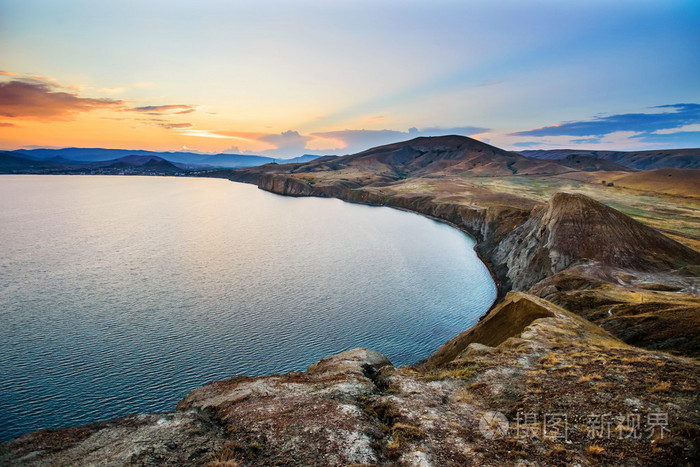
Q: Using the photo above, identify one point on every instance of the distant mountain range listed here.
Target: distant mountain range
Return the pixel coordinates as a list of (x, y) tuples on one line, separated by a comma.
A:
[(83, 159), (641, 160), (392, 161)]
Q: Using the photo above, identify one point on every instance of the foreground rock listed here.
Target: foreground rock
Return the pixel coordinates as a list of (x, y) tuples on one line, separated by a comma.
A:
[(174, 438), (529, 360)]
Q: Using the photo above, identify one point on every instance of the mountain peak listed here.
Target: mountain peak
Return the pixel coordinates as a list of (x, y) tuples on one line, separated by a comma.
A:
[(427, 155)]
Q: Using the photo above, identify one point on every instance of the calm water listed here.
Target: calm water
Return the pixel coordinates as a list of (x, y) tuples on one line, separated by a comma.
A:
[(122, 294)]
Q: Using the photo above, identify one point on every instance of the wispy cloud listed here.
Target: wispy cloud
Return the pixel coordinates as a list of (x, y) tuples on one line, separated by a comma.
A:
[(684, 129), (677, 116), (677, 124), (51, 81), (211, 134), (175, 126), (7, 124), (172, 109), (112, 91), (39, 99)]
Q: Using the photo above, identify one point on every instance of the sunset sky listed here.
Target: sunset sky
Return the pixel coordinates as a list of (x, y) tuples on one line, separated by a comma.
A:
[(284, 78)]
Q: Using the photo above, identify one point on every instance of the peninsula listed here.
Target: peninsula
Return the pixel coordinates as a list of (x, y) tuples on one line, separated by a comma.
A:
[(588, 356)]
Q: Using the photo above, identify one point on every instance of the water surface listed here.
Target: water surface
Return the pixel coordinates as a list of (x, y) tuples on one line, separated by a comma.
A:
[(122, 294)]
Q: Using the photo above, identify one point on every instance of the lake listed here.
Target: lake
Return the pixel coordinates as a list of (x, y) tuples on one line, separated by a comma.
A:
[(122, 294)]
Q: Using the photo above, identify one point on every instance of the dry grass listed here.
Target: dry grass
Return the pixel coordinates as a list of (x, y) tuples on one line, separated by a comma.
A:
[(228, 463), (551, 359), (595, 450), (401, 435), (590, 377), (225, 456), (403, 432), (465, 396), (458, 373), (663, 386)]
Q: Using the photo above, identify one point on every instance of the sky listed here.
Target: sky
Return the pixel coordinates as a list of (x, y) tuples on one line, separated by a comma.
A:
[(285, 78)]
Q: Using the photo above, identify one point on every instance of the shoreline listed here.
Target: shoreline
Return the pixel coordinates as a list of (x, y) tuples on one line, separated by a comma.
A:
[(484, 305)]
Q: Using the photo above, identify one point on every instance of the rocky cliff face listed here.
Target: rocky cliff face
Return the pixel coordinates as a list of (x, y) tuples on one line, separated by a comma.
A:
[(573, 229), (290, 186)]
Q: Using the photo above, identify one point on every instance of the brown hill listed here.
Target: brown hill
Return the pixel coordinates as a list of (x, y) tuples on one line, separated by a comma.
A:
[(431, 155), (643, 160), (591, 164), (679, 182), (574, 229)]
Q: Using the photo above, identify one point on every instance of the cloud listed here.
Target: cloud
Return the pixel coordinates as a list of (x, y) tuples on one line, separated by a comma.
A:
[(48, 80), (39, 100), (232, 150), (288, 142), (678, 116), (210, 134), (7, 73), (175, 126), (592, 140), (173, 109), (681, 139), (112, 91), (695, 127), (676, 125)]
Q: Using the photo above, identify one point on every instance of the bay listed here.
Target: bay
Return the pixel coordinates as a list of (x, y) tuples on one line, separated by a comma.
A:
[(122, 294)]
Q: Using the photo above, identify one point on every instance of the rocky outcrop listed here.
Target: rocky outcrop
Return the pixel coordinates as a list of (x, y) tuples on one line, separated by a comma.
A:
[(573, 229), (284, 184), (529, 357), (170, 438), (508, 319)]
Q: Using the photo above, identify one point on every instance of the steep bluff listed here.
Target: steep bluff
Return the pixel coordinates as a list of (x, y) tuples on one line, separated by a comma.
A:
[(572, 229), (281, 184)]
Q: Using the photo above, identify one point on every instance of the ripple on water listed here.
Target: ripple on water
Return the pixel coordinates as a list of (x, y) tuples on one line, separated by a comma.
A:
[(122, 294)]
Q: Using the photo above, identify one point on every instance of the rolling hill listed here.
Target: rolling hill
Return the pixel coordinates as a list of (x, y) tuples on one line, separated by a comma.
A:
[(642, 160)]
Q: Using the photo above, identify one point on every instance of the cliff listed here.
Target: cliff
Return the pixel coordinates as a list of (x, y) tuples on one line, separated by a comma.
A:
[(572, 229)]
